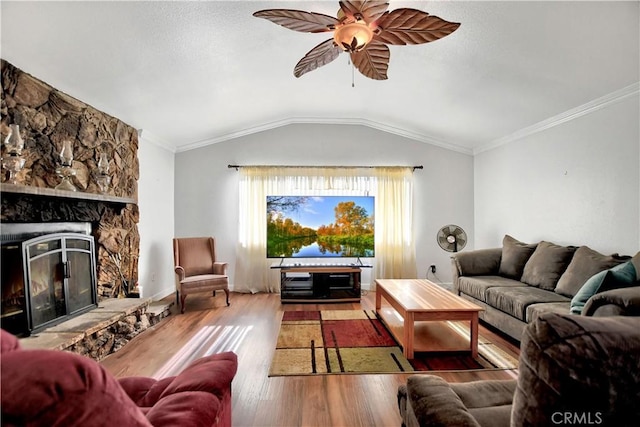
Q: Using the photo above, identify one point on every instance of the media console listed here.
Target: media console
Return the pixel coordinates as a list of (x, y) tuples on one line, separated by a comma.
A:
[(300, 282)]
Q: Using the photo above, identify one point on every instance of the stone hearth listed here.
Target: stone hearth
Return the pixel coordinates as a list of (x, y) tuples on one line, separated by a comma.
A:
[(102, 331)]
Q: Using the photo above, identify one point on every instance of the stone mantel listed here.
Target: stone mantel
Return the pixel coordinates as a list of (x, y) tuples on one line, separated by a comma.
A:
[(52, 192)]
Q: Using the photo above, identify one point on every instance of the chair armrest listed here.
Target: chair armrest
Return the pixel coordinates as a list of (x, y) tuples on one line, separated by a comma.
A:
[(430, 400), (220, 268), (180, 272), (614, 302)]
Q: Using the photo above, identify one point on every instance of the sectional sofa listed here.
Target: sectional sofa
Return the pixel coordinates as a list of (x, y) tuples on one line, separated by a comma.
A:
[(573, 370), (519, 281)]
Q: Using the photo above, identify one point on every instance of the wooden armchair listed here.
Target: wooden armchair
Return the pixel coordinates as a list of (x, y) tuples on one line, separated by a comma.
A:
[(197, 269)]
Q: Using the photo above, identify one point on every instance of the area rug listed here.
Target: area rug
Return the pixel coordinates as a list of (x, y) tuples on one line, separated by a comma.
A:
[(357, 341)]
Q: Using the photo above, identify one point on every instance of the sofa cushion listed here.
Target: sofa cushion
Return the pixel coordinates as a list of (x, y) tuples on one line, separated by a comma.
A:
[(547, 264), (585, 263), (515, 255), (476, 286), (535, 310), (515, 300), (620, 276)]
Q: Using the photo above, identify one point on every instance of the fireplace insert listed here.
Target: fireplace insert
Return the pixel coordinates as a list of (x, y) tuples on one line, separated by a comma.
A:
[(46, 279)]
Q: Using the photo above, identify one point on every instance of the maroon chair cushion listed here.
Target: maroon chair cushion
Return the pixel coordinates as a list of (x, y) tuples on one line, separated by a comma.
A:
[(190, 408), (212, 374), (199, 396)]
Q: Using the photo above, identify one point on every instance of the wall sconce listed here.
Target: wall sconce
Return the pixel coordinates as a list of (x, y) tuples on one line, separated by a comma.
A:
[(103, 179), (13, 161), (65, 171)]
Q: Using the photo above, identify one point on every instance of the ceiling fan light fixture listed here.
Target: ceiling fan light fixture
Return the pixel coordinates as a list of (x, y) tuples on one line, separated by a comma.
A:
[(353, 37), (364, 29)]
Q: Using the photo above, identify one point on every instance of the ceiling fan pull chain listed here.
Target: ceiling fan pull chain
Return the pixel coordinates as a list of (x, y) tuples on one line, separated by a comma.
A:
[(352, 75)]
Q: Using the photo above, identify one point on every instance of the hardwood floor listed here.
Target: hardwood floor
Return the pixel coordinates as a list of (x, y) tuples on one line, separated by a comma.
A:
[(249, 327)]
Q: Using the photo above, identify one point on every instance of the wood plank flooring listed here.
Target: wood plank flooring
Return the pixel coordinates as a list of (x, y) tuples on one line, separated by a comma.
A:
[(249, 327)]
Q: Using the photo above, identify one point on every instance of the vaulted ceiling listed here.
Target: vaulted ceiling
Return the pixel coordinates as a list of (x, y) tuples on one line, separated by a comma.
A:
[(195, 73)]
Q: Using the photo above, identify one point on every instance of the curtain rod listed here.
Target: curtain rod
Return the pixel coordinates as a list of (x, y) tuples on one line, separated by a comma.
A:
[(236, 167)]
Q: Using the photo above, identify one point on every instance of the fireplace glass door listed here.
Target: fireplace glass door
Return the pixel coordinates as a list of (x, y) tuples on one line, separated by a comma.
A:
[(60, 273)]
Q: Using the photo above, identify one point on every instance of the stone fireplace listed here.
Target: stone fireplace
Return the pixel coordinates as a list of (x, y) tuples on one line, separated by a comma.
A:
[(47, 118), (48, 274)]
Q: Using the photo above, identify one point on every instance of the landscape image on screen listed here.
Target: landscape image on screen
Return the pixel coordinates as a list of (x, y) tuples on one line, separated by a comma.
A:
[(320, 226)]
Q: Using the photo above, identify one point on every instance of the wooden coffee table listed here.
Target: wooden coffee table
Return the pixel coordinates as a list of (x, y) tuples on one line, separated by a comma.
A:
[(417, 300)]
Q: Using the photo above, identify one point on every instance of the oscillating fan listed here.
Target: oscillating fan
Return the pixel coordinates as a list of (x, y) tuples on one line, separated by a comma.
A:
[(452, 238)]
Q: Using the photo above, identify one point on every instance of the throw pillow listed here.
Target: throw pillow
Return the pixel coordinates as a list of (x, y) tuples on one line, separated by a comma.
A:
[(636, 263), (547, 264), (620, 276), (515, 255), (585, 263)]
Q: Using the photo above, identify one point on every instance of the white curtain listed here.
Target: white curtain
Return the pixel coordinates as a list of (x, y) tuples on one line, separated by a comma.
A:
[(395, 247), (395, 253)]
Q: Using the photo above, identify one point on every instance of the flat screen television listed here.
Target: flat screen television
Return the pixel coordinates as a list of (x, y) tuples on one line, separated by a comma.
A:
[(320, 226)]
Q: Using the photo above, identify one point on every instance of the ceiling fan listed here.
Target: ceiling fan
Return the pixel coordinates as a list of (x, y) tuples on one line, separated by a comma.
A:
[(363, 29)]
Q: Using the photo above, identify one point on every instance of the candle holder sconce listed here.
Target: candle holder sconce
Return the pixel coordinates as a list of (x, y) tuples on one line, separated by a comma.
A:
[(12, 160), (65, 171), (102, 178)]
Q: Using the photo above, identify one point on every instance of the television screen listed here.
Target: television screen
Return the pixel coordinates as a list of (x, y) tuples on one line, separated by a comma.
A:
[(320, 226)]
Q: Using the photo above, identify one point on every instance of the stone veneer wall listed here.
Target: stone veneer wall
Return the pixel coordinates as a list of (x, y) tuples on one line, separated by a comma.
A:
[(47, 117)]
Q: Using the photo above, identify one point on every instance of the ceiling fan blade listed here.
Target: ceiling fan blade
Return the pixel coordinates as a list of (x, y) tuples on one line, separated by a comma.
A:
[(370, 10), (411, 26), (298, 20), (320, 55), (373, 60)]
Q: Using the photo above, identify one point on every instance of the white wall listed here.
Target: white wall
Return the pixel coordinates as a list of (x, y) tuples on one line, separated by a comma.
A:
[(206, 191), (577, 183), (156, 204)]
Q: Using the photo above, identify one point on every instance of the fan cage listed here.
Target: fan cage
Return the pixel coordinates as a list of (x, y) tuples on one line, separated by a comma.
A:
[(448, 232)]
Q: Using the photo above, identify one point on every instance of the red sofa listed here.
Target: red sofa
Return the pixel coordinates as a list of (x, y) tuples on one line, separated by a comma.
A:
[(58, 388)]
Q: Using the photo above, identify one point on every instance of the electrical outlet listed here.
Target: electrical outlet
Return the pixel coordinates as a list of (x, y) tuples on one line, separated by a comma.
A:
[(433, 268)]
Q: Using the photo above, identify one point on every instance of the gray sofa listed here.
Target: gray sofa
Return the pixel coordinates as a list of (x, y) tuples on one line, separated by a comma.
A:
[(573, 370), (519, 281)]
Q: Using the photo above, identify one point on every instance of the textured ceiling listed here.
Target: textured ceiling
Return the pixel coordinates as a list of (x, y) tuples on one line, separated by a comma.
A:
[(194, 73)]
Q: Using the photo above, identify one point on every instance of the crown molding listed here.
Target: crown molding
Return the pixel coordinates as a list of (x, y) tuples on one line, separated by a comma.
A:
[(582, 110), (153, 139), (333, 121), (574, 113)]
